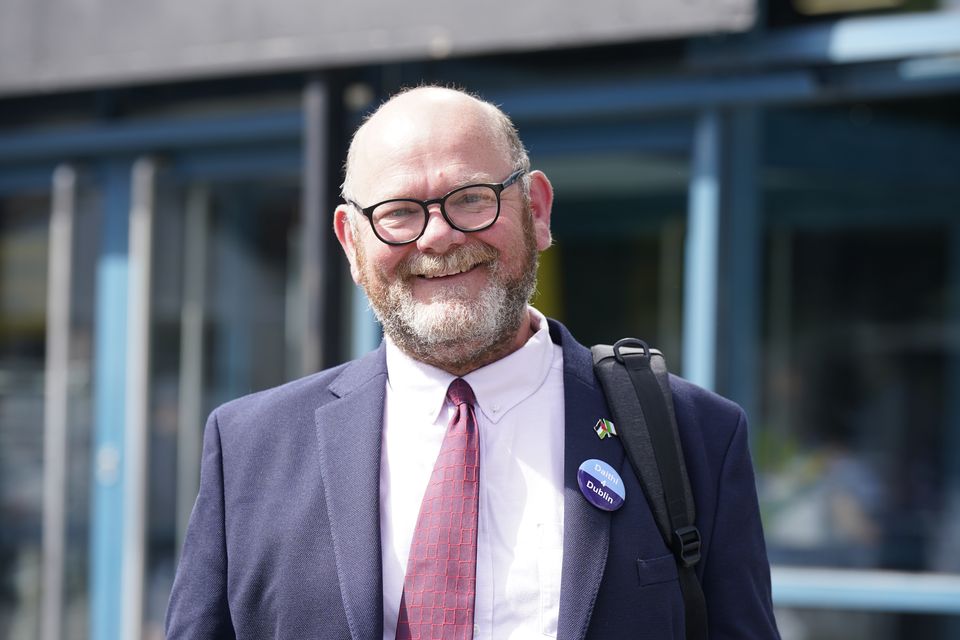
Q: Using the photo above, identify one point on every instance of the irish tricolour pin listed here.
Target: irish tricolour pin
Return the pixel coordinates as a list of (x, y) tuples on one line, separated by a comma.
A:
[(601, 485)]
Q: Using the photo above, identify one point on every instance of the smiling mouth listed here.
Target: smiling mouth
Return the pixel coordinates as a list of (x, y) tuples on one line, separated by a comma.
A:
[(447, 274)]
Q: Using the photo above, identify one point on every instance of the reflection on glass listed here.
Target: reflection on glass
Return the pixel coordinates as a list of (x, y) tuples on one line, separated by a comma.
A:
[(857, 440), (226, 298), (616, 267), (24, 231), (24, 238), (860, 390)]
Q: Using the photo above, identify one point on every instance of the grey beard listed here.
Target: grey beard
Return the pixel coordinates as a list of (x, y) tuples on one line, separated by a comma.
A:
[(455, 332)]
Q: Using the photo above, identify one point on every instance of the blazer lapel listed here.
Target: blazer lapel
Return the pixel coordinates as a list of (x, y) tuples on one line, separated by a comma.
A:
[(349, 431), (586, 529)]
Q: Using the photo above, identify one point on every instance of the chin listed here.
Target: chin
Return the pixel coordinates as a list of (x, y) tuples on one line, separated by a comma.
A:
[(456, 335)]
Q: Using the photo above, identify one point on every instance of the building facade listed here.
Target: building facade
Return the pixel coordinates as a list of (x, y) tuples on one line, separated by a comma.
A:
[(769, 193)]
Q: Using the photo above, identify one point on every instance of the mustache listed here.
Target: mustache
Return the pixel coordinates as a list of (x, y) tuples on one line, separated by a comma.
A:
[(460, 258)]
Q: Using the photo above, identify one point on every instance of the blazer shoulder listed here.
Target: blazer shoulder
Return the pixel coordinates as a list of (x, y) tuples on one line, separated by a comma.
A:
[(698, 399), (705, 418), (305, 394)]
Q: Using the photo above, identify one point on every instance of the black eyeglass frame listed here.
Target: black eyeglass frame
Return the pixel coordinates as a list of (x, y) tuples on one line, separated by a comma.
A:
[(425, 204)]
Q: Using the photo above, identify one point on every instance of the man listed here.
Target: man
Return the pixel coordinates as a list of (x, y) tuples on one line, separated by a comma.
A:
[(317, 514)]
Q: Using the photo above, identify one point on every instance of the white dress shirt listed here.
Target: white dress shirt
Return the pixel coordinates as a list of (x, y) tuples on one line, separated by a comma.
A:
[(520, 416)]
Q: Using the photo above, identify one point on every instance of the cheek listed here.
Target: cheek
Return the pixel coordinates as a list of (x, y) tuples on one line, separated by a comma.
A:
[(516, 246), (379, 261)]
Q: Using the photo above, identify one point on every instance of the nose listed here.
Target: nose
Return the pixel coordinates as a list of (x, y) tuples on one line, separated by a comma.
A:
[(439, 237)]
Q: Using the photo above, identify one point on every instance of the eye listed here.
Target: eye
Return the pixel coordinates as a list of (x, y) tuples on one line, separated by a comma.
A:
[(473, 197), (396, 213)]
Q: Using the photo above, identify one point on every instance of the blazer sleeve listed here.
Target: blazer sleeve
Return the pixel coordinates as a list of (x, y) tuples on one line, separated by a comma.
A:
[(198, 602), (736, 578)]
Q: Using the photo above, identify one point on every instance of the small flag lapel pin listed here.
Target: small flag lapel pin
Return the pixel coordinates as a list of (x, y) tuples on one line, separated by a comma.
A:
[(605, 428)]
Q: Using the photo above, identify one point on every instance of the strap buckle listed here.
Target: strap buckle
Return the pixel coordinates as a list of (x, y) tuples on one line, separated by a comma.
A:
[(686, 545)]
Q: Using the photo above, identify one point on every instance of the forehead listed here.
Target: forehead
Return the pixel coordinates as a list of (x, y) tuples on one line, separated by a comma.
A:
[(426, 143)]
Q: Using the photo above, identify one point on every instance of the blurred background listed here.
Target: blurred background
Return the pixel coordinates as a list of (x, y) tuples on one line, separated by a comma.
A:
[(768, 190)]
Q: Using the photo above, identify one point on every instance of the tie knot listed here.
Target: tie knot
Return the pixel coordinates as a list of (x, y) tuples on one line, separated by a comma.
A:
[(459, 392)]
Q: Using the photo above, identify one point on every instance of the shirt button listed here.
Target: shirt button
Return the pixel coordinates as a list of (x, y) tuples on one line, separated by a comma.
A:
[(476, 629), (496, 408)]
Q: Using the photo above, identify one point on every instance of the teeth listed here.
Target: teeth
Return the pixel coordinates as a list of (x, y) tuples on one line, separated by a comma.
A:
[(444, 275)]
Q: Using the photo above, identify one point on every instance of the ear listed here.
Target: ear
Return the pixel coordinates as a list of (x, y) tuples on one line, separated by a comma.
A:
[(541, 204), (344, 232)]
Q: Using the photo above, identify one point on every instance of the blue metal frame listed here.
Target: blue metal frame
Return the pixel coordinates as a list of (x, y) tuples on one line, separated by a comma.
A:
[(19, 179), (653, 96), (866, 590), (109, 384), (154, 135), (662, 135), (701, 256), (850, 40), (227, 164)]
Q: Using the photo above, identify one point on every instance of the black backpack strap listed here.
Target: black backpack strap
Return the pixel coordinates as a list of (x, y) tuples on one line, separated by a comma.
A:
[(636, 383)]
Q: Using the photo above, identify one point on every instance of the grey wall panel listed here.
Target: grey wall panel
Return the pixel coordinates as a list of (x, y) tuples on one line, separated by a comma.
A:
[(52, 44)]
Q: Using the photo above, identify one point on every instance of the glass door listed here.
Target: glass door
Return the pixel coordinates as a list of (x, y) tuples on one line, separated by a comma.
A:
[(857, 441), (24, 236), (48, 234), (226, 320), (619, 225)]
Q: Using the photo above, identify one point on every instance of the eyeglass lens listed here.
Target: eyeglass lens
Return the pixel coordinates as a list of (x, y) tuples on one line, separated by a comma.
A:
[(468, 209)]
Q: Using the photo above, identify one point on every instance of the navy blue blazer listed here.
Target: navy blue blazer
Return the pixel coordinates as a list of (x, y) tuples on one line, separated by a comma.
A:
[(284, 539)]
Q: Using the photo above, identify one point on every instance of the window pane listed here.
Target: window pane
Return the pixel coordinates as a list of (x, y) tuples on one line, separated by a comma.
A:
[(226, 296), (616, 267), (24, 233), (24, 240), (858, 440)]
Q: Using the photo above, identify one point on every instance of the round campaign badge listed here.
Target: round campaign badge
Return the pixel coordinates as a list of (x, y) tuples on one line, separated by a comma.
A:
[(601, 485)]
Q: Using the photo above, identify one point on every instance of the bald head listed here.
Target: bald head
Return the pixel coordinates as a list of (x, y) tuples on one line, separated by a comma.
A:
[(415, 119)]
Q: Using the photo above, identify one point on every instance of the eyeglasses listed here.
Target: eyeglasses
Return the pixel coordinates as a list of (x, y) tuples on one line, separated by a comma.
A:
[(473, 207)]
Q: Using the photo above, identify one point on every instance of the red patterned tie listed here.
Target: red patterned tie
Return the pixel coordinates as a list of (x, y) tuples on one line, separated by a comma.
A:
[(439, 588)]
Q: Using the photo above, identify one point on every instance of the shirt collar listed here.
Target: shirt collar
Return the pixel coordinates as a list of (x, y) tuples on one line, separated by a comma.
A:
[(499, 386)]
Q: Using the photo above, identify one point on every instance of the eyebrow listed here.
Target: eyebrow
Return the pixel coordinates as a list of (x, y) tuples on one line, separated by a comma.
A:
[(476, 178)]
